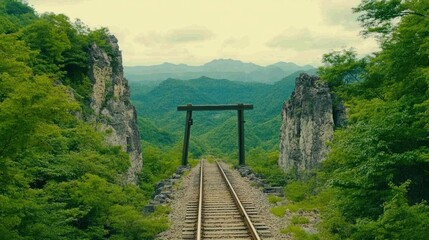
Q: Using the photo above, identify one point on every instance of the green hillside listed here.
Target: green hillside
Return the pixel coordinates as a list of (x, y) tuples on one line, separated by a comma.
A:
[(215, 132)]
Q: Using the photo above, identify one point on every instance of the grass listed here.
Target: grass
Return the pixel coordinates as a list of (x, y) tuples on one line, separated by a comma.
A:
[(162, 210), (298, 233), (298, 191), (306, 205), (299, 220), (303, 198), (279, 211), (274, 199)]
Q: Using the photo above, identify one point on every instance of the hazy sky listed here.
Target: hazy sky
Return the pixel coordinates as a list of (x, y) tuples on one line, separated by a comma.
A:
[(197, 31)]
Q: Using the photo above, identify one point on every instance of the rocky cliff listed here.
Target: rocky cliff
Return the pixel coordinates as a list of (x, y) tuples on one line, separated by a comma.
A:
[(110, 102), (308, 124)]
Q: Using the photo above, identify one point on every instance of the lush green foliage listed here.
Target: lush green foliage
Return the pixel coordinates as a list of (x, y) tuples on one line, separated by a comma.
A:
[(298, 190), (342, 67), (265, 163), (381, 16), (58, 179), (160, 164), (154, 136), (379, 163)]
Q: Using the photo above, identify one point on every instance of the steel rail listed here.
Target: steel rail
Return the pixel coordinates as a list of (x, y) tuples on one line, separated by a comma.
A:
[(200, 203), (251, 227)]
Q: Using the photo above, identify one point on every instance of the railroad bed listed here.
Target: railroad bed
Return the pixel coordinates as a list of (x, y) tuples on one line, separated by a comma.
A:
[(219, 213)]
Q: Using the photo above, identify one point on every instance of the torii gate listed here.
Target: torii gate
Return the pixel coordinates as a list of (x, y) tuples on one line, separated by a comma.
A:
[(240, 117)]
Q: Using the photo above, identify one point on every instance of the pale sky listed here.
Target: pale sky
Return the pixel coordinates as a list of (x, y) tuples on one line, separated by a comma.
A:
[(197, 31)]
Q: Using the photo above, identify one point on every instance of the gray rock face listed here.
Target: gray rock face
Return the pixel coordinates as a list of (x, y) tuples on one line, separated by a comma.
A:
[(110, 101), (307, 125)]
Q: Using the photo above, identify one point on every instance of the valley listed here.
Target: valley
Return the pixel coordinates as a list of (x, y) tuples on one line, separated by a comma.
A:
[(212, 132)]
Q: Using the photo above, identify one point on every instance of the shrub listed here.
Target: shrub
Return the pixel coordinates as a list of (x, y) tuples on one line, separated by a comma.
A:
[(298, 191), (299, 220), (274, 199)]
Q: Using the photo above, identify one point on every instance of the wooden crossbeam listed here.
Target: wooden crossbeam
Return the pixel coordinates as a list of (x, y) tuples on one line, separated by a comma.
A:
[(191, 107)]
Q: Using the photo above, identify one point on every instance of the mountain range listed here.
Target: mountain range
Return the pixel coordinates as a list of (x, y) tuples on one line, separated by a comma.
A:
[(157, 90), (230, 69)]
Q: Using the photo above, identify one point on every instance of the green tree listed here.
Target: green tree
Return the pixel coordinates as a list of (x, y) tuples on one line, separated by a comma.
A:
[(378, 164), (379, 16), (58, 178), (49, 38), (16, 8), (342, 67)]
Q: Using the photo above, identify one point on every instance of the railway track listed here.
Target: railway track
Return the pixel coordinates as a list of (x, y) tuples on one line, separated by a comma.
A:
[(218, 212)]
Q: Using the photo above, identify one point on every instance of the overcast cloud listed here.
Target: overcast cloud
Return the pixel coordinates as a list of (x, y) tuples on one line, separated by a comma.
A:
[(304, 39), (197, 31), (179, 36), (339, 12)]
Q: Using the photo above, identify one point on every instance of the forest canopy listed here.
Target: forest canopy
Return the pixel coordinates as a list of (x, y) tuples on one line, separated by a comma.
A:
[(378, 168), (58, 178)]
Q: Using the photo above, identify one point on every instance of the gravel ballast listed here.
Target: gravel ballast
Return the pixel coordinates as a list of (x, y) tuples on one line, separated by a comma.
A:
[(187, 191)]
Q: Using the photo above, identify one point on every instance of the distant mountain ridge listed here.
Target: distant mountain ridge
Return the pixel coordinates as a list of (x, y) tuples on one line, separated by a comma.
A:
[(234, 70)]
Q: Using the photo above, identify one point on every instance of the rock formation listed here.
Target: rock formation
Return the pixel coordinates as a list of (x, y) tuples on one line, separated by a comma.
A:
[(110, 101), (308, 124)]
